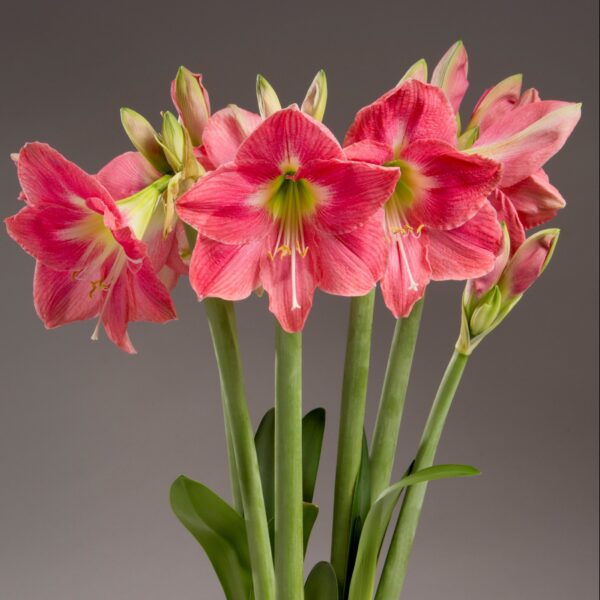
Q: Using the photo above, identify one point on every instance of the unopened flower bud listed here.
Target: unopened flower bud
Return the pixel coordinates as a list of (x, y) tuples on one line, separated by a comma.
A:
[(486, 311), (316, 98), (528, 263), (191, 99), (143, 137), (173, 141), (418, 72), (268, 102)]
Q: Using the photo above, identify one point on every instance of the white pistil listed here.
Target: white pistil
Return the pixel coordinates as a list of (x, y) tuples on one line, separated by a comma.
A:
[(399, 227)]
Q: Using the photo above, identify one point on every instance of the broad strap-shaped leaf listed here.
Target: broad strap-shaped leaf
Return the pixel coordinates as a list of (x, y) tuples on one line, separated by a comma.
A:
[(361, 503), (310, 512), (265, 451), (220, 530), (377, 521), (313, 427), (321, 583)]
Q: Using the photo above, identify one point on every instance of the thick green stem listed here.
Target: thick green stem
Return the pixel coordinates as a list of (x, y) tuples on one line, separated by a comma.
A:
[(289, 552), (352, 417), (391, 405), (221, 318), (233, 473), (396, 563)]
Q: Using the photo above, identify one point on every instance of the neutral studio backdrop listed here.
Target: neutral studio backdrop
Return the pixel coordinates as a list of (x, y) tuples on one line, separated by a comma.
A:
[(90, 439)]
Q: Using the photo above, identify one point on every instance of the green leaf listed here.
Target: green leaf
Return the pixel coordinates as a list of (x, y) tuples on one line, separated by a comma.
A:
[(377, 521), (321, 584), (310, 512), (219, 529), (313, 427), (265, 450), (361, 503)]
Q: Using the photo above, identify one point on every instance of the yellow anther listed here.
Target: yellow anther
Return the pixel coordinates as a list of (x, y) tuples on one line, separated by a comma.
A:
[(98, 284)]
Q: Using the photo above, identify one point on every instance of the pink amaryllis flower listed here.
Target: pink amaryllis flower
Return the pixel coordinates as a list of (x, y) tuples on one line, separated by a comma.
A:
[(438, 222), (89, 262), (289, 213), (521, 132)]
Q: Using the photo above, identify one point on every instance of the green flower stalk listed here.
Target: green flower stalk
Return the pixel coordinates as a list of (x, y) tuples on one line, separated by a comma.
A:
[(221, 318), (486, 302), (352, 418), (289, 548)]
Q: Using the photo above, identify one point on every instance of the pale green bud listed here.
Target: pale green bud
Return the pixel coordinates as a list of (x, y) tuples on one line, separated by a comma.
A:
[(268, 102), (173, 141), (316, 98), (143, 137), (486, 311)]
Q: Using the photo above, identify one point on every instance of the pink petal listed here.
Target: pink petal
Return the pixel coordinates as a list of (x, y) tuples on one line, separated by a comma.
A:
[(450, 186), (507, 214), (65, 238), (407, 274), (496, 101), (353, 263), (289, 139), (48, 177), (127, 174), (148, 299), (225, 132), (535, 199), (60, 298), (115, 315), (226, 205), (225, 271), (450, 74), (347, 193), (467, 251), (411, 112), (369, 151), (283, 275), (526, 137)]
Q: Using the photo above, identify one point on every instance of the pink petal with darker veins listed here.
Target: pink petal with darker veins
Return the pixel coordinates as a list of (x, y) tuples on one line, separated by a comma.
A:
[(227, 205), (467, 251), (290, 281), (353, 263), (59, 298), (225, 132), (523, 139), (48, 177), (289, 138), (412, 112), (127, 174), (508, 215), (347, 193), (407, 274), (535, 199), (450, 186), (225, 271), (369, 151)]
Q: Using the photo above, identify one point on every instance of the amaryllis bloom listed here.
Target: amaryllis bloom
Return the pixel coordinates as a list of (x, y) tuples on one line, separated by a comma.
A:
[(438, 222), (90, 264), (521, 132), (289, 213)]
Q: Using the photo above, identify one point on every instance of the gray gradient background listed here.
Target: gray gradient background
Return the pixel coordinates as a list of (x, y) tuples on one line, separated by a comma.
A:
[(90, 439)]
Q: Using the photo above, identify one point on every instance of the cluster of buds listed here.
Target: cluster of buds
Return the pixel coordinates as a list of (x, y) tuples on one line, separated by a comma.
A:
[(486, 301), (172, 151)]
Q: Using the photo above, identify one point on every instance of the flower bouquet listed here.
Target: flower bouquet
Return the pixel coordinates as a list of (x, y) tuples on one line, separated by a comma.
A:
[(246, 202)]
